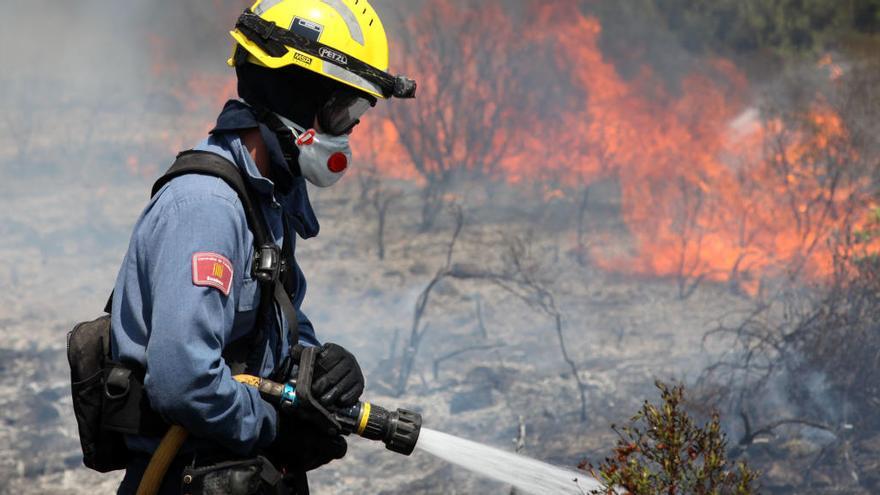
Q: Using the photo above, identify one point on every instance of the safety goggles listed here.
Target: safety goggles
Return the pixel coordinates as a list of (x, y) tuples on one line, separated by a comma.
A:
[(343, 111)]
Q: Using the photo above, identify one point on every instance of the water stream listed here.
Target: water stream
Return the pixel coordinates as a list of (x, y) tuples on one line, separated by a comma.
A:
[(526, 474)]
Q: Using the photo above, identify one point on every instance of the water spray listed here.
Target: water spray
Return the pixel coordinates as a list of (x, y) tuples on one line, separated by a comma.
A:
[(527, 475), (400, 431)]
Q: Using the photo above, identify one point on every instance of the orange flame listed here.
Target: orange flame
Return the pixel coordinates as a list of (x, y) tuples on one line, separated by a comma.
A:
[(709, 188)]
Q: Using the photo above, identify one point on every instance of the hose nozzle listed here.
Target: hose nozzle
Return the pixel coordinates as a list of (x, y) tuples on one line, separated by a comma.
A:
[(398, 430)]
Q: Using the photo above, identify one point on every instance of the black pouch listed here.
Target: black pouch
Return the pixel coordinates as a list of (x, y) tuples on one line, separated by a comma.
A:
[(88, 345), (243, 477), (126, 408)]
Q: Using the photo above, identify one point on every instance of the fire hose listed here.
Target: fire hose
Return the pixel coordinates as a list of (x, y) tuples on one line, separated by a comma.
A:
[(398, 430)]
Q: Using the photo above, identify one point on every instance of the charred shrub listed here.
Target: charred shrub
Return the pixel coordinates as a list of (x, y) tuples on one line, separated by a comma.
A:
[(803, 375), (842, 342)]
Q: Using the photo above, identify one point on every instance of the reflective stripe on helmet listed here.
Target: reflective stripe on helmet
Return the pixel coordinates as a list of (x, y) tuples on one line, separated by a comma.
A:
[(354, 29), (265, 5), (338, 72)]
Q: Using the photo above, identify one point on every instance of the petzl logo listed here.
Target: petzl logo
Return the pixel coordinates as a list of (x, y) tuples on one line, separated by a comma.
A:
[(334, 56), (303, 58)]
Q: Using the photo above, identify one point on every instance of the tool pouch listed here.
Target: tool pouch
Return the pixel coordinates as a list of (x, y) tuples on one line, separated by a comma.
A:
[(108, 398), (244, 477), (126, 407), (87, 349)]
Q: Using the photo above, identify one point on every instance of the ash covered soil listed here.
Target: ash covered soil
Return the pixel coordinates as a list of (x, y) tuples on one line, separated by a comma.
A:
[(487, 361)]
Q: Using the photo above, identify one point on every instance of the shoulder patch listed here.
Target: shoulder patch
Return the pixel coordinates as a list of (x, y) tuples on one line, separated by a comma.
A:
[(212, 270)]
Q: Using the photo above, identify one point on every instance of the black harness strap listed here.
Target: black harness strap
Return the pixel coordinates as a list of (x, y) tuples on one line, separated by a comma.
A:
[(203, 162)]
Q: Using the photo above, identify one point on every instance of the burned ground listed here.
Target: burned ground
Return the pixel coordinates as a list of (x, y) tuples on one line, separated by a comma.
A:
[(621, 332), (673, 217)]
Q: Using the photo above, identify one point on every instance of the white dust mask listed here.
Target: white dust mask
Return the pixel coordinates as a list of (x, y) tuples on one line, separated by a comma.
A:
[(323, 159)]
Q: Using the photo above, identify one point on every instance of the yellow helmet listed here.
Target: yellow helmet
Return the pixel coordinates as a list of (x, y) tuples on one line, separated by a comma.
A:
[(343, 40)]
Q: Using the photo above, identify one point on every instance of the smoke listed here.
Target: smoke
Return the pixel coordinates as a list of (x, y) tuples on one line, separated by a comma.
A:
[(66, 40), (96, 97), (76, 49)]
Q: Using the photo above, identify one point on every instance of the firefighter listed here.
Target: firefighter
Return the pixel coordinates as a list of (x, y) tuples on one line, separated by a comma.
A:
[(307, 71)]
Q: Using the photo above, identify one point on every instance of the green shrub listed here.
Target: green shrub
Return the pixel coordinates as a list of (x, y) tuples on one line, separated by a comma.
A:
[(663, 451)]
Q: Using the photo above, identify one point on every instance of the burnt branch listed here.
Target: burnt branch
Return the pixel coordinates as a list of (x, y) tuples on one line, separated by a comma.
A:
[(521, 278), (581, 234), (381, 199), (458, 217), (481, 323), (749, 435), (418, 331), (690, 270)]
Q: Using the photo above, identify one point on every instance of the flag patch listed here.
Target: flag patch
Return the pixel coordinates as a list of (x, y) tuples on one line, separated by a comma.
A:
[(212, 270)]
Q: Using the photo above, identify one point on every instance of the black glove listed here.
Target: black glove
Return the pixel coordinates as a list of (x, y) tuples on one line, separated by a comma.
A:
[(338, 381), (300, 446)]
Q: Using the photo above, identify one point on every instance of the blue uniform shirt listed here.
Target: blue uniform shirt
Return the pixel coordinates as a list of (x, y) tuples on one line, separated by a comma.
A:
[(176, 330)]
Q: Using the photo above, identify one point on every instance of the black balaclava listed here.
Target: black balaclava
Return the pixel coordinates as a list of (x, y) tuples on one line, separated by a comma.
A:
[(295, 93)]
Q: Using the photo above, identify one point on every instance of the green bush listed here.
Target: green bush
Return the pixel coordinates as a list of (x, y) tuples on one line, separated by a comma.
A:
[(664, 451)]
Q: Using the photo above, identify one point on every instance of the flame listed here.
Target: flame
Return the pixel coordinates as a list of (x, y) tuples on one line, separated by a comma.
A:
[(703, 196), (198, 92), (710, 187), (709, 190), (378, 142)]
